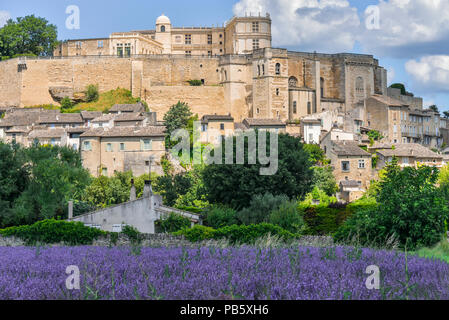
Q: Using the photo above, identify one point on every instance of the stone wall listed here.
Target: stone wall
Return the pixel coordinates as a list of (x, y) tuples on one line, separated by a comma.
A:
[(10, 83), (166, 241)]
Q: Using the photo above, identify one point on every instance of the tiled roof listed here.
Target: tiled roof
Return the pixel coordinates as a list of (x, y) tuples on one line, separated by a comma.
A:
[(19, 129), (348, 148), (24, 119), (104, 118), (152, 131), (215, 117), (138, 107), (412, 150), (89, 115), (349, 183), (49, 133), (61, 118), (129, 117), (263, 122)]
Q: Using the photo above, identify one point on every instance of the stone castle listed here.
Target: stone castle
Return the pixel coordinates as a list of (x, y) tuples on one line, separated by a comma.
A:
[(329, 99), (242, 74)]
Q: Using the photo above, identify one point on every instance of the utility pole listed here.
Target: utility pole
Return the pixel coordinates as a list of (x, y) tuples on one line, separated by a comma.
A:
[(151, 163)]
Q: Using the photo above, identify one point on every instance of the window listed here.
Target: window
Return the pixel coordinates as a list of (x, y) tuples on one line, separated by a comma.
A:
[(258, 70), (146, 144), (188, 53), (120, 50), (87, 146), (127, 50), (221, 36), (292, 82), (104, 171), (100, 44), (78, 44), (255, 44), (222, 126), (255, 26), (209, 53), (345, 166), (277, 91), (361, 164), (209, 39), (405, 160), (263, 69), (122, 147), (109, 147), (360, 87), (257, 110), (309, 108), (188, 39), (204, 127), (278, 68), (322, 87), (294, 107), (162, 28)]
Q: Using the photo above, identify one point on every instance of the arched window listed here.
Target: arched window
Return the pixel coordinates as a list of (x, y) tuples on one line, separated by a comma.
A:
[(322, 87), (309, 108), (292, 82), (263, 69), (360, 87), (278, 68), (162, 28), (258, 70), (294, 107)]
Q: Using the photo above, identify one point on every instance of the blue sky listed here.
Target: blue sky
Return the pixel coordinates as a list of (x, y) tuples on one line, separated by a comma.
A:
[(412, 42)]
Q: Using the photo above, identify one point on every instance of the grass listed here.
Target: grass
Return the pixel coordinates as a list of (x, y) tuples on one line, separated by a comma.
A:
[(103, 104), (440, 252)]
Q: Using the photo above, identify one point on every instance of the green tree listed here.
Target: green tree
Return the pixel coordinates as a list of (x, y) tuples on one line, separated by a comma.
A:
[(221, 216), (399, 86), (56, 176), (293, 177), (92, 93), (171, 187), (260, 208), (324, 179), (288, 217), (66, 103), (446, 114), (410, 207), (434, 108), (105, 191), (28, 35), (374, 135), (177, 117), (317, 155)]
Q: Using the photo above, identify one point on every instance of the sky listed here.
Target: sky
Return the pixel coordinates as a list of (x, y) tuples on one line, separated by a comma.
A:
[(409, 37)]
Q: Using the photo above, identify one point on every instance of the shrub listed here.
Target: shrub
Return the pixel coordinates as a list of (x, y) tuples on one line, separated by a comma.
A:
[(236, 234), (219, 216), (133, 234), (249, 234), (410, 208), (260, 208), (288, 217), (92, 93), (173, 222), (66, 103), (197, 233), (53, 231), (195, 83)]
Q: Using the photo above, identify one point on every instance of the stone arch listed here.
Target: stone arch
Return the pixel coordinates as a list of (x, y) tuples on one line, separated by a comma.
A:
[(360, 87), (162, 28), (278, 68), (292, 82)]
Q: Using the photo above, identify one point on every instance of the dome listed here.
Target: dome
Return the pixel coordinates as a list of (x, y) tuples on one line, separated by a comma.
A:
[(163, 20)]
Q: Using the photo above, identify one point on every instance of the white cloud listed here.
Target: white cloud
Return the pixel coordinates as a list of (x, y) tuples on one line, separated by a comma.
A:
[(4, 16), (391, 73), (430, 72), (409, 28), (307, 25)]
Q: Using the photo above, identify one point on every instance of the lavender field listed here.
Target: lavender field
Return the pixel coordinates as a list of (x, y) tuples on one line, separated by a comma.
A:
[(211, 273)]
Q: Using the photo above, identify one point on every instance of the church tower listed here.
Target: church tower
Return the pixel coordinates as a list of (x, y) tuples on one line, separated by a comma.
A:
[(163, 33)]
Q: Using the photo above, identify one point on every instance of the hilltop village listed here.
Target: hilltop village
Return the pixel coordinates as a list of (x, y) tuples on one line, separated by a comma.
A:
[(232, 78)]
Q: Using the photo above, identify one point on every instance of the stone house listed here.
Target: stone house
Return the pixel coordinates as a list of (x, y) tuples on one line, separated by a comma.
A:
[(104, 121), (127, 108), (214, 128), (408, 155), (61, 120), (273, 125), (350, 163), (311, 130), (105, 151), (129, 119), (54, 137), (139, 213), (88, 116)]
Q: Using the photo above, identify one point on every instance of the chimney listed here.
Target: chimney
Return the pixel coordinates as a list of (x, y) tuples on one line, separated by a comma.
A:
[(70, 210), (147, 190), (132, 193)]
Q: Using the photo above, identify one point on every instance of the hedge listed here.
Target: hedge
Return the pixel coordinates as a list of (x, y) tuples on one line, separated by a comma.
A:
[(236, 234), (54, 231)]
